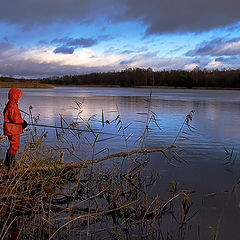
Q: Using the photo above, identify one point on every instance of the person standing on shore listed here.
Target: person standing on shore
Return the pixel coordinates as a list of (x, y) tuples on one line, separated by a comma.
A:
[(13, 125)]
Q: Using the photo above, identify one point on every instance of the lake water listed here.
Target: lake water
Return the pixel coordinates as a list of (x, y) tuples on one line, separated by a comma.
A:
[(216, 128)]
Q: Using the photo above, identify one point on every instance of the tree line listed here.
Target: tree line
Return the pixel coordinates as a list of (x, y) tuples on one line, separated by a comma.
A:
[(132, 77)]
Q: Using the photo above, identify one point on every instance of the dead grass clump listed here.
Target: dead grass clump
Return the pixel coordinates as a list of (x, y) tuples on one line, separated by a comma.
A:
[(103, 197)]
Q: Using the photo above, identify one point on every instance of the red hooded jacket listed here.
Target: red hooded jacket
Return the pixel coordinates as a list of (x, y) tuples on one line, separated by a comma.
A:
[(12, 116)]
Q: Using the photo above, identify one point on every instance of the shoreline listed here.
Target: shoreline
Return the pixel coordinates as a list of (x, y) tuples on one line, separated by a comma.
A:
[(157, 87), (25, 85), (47, 85)]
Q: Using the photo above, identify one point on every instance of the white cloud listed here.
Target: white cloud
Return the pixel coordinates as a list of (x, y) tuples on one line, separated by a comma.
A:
[(217, 47), (190, 67), (230, 48), (214, 65), (41, 61)]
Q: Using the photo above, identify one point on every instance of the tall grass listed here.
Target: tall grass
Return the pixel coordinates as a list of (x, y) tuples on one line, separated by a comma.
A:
[(43, 198)]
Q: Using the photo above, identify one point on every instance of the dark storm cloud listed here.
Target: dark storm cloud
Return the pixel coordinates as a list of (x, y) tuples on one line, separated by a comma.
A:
[(179, 16), (46, 12), (158, 15), (64, 50), (70, 44), (77, 42), (217, 47)]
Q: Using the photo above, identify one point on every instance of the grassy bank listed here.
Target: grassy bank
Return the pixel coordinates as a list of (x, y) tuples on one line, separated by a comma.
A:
[(25, 85)]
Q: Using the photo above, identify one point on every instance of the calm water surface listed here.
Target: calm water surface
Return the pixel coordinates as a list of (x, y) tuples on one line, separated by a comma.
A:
[(216, 126)]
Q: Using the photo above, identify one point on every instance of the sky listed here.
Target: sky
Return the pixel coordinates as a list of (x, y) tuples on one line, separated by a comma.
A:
[(43, 38)]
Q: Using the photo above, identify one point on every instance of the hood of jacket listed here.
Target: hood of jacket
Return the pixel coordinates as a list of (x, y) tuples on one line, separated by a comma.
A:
[(14, 94)]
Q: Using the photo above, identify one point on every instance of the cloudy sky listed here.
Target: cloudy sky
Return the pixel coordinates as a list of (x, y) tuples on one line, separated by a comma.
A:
[(40, 38)]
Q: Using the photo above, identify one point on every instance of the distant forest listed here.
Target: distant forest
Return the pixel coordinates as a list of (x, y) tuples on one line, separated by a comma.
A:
[(133, 77)]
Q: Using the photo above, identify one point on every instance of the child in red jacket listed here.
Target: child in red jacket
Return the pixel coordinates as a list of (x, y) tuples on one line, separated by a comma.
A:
[(13, 124)]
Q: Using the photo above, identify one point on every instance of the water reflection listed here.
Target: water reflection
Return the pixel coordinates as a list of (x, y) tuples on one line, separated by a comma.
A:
[(216, 119), (216, 124)]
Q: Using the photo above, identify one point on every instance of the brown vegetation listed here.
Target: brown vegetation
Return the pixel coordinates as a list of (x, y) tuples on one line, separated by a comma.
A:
[(25, 85), (42, 198)]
